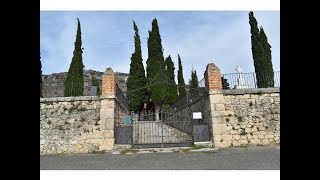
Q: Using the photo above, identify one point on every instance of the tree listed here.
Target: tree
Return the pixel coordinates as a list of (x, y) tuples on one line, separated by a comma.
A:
[(74, 82), (225, 84), (156, 75), (172, 92), (261, 54), (267, 62), (40, 79), (181, 84), (136, 90), (194, 85)]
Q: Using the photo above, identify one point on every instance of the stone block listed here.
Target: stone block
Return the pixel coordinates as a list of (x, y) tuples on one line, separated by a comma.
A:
[(219, 107), (226, 137), (265, 141), (217, 98), (236, 137), (255, 141), (243, 137), (217, 113), (234, 132), (219, 129), (243, 141)]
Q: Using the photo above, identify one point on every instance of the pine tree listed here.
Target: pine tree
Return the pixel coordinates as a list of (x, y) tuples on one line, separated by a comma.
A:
[(136, 90), (193, 85), (181, 84), (261, 54), (74, 83), (156, 75), (172, 92), (40, 79)]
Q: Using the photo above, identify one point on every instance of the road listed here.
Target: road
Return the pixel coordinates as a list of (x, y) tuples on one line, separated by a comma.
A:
[(252, 158)]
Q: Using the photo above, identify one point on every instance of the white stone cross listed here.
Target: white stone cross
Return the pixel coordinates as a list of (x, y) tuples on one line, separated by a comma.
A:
[(238, 69)]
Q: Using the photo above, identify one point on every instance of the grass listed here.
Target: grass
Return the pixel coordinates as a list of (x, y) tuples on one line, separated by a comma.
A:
[(98, 152), (125, 151), (186, 150)]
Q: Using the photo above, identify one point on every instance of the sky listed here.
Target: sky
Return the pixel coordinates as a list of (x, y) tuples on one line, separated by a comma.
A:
[(200, 37)]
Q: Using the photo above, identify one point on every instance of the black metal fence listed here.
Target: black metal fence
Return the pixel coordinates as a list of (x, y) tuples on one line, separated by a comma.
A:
[(121, 97), (170, 128), (192, 95), (250, 80)]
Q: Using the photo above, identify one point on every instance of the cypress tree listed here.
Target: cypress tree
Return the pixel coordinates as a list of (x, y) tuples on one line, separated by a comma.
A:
[(181, 84), (193, 85), (267, 62), (172, 92), (156, 75), (136, 90), (225, 84), (261, 54), (40, 78), (74, 83)]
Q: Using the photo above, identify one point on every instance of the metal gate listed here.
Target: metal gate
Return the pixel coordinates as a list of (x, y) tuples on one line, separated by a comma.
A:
[(164, 129)]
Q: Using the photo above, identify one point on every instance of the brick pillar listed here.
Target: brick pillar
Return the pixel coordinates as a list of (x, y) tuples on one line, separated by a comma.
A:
[(217, 105), (213, 77), (107, 108), (108, 83)]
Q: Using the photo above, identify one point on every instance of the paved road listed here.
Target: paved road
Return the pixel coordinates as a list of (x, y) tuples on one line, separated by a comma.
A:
[(253, 158)]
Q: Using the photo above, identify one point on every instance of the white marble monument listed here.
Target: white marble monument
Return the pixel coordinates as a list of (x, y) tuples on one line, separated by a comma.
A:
[(241, 84)]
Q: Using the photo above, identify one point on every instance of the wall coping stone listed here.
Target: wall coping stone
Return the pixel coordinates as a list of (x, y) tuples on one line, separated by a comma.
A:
[(246, 91), (66, 99)]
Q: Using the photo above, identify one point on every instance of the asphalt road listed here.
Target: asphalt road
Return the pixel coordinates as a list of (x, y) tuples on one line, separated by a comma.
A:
[(252, 158)]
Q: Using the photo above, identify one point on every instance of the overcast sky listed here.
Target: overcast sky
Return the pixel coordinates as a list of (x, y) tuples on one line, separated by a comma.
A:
[(200, 37)]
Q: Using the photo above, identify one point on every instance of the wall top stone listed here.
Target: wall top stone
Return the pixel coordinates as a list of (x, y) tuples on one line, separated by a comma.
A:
[(64, 99), (109, 72), (246, 91), (212, 66)]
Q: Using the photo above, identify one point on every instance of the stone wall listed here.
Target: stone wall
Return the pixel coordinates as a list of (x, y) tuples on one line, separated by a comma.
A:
[(71, 125), (245, 116), (81, 124)]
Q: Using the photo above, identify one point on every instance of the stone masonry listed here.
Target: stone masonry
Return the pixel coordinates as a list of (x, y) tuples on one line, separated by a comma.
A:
[(242, 116), (81, 124)]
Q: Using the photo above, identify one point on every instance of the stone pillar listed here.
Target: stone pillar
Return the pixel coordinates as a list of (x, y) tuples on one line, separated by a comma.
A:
[(217, 105), (107, 108)]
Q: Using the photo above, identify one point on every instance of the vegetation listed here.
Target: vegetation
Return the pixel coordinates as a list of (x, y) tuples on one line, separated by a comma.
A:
[(261, 54), (181, 84), (136, 90), (74, 83)]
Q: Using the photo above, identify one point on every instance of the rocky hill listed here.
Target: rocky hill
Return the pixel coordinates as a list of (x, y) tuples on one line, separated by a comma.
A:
[(53, 83)]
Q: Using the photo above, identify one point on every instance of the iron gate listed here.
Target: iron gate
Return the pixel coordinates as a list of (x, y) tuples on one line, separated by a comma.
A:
[(164, 129)]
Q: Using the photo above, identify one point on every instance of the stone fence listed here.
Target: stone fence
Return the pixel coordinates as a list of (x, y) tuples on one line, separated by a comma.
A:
[(81, 124), (235, 117), (238, 117)]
